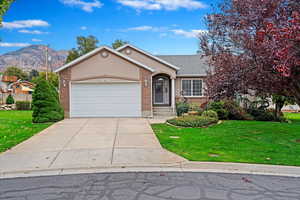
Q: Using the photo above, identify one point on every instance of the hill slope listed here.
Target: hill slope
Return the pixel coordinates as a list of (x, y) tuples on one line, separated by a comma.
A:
[(33, 57)]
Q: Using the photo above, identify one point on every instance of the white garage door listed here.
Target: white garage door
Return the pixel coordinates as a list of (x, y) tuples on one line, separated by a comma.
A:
[(106, 100)]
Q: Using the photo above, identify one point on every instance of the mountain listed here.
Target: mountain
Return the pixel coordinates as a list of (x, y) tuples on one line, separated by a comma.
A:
[(33, 57)]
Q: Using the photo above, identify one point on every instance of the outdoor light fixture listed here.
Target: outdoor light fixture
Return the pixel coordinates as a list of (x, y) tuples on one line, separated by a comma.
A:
[(146, 83)]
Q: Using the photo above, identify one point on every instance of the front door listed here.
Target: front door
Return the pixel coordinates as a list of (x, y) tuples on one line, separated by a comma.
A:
[(161, 91)]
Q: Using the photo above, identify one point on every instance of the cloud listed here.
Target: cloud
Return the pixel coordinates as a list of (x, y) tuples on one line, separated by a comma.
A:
[(163, 35), (163, 4), (147, 28), (87, 6), (34, 32), (6, 44), (188, 34), (83, 28), (140, 28), (25, 24), (36, 40)]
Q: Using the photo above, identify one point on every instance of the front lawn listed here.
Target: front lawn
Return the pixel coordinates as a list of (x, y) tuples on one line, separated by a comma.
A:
[(236, 141), (16, 126)]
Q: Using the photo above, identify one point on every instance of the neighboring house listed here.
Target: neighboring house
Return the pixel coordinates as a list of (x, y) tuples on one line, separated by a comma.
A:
[(5, 81), (21, 87), (20, 90), (129, 82)]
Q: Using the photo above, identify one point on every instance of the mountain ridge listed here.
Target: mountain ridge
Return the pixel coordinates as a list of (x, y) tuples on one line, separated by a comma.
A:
[(33, 57)]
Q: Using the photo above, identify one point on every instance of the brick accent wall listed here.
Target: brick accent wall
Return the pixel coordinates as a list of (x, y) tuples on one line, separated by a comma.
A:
[(200, 100), (64, 87), (146, 92)]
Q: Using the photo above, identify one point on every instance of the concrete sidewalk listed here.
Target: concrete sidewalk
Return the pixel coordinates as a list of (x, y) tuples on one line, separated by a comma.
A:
[(86, 143)]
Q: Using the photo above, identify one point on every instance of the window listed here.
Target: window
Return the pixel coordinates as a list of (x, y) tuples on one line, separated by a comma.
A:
[(192, 87)]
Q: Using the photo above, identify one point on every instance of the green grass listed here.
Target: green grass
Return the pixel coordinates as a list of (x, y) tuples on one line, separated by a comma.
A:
[(236, 141), (15, 127)]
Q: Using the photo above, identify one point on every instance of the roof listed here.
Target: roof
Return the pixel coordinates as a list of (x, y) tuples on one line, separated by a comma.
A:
[(74, 62), (190, 65), (174, 66)]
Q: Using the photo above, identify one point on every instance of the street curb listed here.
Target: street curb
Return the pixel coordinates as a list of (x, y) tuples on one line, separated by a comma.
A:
[(185, 167)]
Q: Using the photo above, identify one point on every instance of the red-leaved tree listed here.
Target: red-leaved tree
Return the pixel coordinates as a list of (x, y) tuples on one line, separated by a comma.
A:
[(254, 46)]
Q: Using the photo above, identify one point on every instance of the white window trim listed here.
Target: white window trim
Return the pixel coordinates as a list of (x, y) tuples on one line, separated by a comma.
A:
[(191, 79)]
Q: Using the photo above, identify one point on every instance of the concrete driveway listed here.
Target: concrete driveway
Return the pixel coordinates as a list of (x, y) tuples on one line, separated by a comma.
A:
[(85, 143)]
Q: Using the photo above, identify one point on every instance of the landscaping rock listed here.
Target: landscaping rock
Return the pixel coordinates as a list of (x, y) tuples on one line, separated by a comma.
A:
[(7, 107)]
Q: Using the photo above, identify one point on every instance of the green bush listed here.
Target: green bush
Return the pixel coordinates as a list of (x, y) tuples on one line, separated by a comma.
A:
[(235, 112), (265, 116), (195, 107), (23, 105), (222, 113), (10, 100), (215, 105), (192, 121), (45, 103), (260, 114), (210, 114), (182, 108), (218, 107)]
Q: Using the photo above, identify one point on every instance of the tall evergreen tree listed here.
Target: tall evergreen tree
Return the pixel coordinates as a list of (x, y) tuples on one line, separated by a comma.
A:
[(45, 103)]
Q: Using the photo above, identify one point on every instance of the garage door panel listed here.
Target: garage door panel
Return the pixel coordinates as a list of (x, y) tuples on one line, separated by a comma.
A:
[(106, 100)]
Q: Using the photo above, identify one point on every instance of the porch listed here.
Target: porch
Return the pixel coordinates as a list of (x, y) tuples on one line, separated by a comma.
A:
[(163, 94)]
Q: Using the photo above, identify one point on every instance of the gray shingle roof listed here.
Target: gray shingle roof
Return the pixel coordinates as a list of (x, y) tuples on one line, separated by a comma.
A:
[(188, 64)]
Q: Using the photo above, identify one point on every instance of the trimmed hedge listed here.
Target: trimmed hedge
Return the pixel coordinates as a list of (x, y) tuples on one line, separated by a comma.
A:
[(23, 105), (10, 100), (192, 121)]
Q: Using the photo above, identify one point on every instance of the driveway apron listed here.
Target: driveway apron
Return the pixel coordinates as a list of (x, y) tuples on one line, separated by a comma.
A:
[(89, 142)]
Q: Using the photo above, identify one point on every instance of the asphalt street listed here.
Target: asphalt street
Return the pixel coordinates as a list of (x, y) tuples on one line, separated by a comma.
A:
[(151, 186)]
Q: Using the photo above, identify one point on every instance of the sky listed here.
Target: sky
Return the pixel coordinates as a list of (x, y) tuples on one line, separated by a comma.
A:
[(157, 26)]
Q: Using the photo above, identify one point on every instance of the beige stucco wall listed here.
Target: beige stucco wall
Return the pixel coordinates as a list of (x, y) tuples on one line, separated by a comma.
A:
[(150, 62), (99, 66)]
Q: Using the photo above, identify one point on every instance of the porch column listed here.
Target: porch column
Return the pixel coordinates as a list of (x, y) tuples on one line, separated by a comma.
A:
[(173, 94)]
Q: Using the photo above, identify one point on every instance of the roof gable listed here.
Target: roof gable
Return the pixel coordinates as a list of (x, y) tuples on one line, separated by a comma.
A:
[(94, 52), (149, 55)]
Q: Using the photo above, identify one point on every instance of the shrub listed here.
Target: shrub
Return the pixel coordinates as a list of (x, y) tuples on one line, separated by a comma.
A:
[(196, 108), (10, 100), (218, 107), (222, 113), (23, 105), (265, 116), (210, 114), (45, 103), (235, 112), (260, 114), (192, 121), (182, 108)]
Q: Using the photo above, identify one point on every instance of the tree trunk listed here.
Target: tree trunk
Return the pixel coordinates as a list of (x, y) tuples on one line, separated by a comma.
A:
[(278, 106)]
